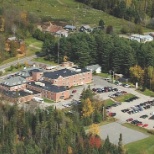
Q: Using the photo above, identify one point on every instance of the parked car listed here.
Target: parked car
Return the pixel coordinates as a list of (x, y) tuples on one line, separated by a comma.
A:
[(112, 114), (129, 119), (74, 91), (145, 125), (135, 122), (126, 85), (114, 89), (139, 124), (144, 116)]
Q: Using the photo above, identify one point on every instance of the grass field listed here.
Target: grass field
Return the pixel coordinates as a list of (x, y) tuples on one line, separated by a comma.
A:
[(42, 60), (144, 146), (70, 12), (147, 92), (108, 102), (123, 98)]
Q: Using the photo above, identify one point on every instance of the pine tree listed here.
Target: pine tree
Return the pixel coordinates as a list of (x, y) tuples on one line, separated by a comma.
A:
[(120, 146)]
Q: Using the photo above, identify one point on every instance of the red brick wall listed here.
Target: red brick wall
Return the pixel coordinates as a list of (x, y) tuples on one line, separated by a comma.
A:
[(37, 75), (19, 87), (78, 79), (51, 95)]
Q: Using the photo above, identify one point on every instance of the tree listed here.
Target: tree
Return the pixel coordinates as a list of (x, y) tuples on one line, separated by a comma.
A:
[(95, 141), (94, 129), (87, 109), (136, 74), (120, 146), (150, 73), (101, 24), (109, 29)]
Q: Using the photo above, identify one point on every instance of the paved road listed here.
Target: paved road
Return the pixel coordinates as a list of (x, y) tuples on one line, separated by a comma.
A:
[(21, 61)]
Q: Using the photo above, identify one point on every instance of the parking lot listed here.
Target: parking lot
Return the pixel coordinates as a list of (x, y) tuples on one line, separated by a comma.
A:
[(122, 117)]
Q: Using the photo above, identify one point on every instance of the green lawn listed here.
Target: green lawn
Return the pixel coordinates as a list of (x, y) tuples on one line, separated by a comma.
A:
[(104, 75), (108, 102), (69, 11), (123, 98), (48, 100), (147, 92), (145, 146), (140, 129), (42, 60), (9, 60)]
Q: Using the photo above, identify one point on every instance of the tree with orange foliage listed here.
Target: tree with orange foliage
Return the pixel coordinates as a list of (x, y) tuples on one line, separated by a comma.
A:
[(95, 141)]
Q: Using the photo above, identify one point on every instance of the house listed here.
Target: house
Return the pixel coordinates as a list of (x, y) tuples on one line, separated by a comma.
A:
[(48, 27), (141, 38), (85, 28), (94, 68), (62, 33), (70, 28)]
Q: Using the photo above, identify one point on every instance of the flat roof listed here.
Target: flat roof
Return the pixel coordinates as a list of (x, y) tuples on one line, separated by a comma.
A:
[(13, 81), (64, 73), (17, 94), (28, 71), (49, 87)]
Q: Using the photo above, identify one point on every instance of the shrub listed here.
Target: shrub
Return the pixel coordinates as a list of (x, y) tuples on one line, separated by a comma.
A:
[(151, 131)]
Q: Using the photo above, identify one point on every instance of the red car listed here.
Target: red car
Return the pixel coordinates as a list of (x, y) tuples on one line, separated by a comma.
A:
[(139, 124), (74, 91), (130, 119), (145, 125)]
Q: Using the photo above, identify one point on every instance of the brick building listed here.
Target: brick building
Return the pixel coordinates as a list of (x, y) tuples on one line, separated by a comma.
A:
[(69, 77), (53, 85), (49, 90)]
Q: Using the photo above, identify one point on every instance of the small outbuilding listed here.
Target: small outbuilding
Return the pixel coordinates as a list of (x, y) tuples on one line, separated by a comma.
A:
[(94, 68)]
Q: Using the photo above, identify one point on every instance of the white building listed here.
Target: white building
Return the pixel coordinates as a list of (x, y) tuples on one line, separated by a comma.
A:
[(141, 38), (94, 68)]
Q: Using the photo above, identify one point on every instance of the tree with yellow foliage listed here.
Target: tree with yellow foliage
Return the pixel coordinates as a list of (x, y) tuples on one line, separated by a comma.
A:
[(65, 58), (137, 74), (94, 129), (87, 108), (69, 149)]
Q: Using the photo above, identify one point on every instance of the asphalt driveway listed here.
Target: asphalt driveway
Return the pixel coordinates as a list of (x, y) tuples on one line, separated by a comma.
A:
[(114, 129)]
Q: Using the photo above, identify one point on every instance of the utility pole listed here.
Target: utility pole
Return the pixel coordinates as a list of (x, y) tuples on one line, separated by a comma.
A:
[(113, 76), (58, 51)]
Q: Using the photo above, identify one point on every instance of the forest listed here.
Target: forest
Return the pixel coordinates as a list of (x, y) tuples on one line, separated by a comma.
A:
[(53, 131), (108, 50), (137, 11)]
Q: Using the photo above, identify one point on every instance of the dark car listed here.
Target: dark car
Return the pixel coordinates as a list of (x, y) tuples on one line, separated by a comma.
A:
[(74, 91), (114, 89), (94, 89), (125, 110), (99, 90), (129, 119), (114, 104), (112, 114), (135, 122), (144, 116)]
